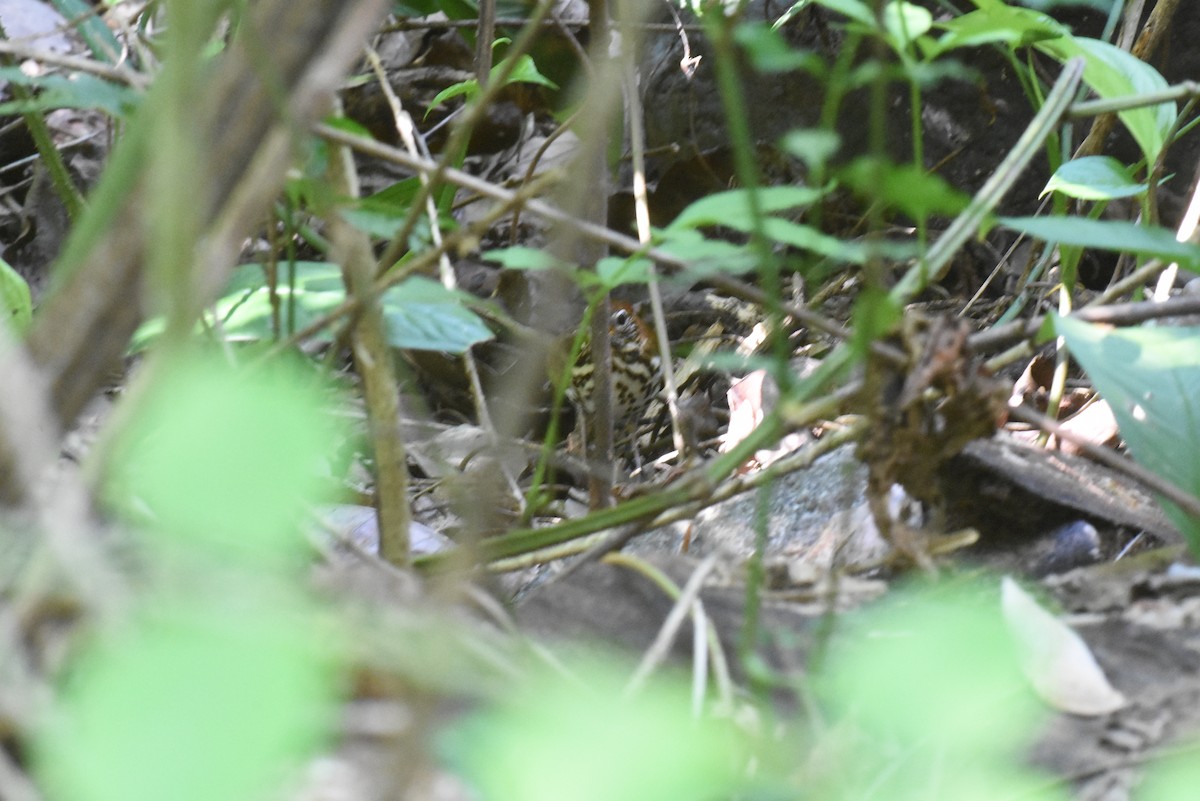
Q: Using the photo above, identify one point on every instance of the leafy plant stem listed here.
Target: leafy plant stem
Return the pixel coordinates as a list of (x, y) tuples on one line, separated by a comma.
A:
[(937, 262), (460, 135), (717, 28)]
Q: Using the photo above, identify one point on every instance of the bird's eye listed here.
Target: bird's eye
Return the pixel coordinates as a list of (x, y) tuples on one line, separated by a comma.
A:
[(621, 317)]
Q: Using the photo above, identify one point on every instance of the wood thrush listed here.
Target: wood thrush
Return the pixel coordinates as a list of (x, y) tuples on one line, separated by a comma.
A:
[(636, 372)]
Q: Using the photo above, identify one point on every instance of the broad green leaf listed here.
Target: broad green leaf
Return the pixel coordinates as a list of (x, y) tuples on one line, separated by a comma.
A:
[(929, 684), (905, 188), (423, 315), (1112, 72), (520, 257), (615, 271), (707, 256), (810, 239), (225, 460), (526, 71), (75, 91), (814, 146), (583, 739), (199, 702), (732, 208), (1094, 178), (997, 24), (769, 52), (1124, 237), (16, 305), (905, 22), (1151, 379)]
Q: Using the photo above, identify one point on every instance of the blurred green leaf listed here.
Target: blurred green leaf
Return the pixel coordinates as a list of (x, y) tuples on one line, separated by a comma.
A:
[(1094, 178), (769, 52), (931, 702), (875, 314), (582, 739), (1118, 235), (521, 257), (77, 90), (524, 71), (856, 10), (16, 305), (814, 146), (905, 22), (226, 459), (1151, 379), (732, 208), (198, 702), (904, 187)]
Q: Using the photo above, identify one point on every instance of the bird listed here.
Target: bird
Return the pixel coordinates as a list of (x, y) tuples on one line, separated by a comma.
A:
[(636, 373)]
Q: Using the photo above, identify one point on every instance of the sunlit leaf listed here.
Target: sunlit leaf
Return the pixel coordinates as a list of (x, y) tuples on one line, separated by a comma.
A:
[(16, 305), (1094, 178), (906, 22), (1151, 380), (1112, 72), (997, 23), (1118, 235)]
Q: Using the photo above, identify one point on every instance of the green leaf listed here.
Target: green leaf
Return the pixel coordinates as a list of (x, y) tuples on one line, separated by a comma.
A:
[(423, 315), (16, 305), (643, 748), (904, 187), (997, 24), (732, 208), (201, 702), (469, 87), (78, 90), (856, 10), (524, 71), (1151, 379), (225, 460), (905, 22), (769, 52), (1094, 178), (931, 672), (707, 256), (875, 314), (1124, 237), (814, 146), (520, 257), (615, 271), (1112, 72)]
